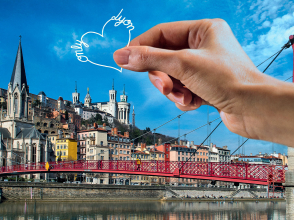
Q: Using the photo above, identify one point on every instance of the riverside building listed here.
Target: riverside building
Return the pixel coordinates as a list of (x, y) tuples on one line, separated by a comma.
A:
[(20, 141)]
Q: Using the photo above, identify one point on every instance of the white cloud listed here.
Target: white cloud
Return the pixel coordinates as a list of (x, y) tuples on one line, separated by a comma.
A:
[(61, 48), (272, 41), (266, 9)]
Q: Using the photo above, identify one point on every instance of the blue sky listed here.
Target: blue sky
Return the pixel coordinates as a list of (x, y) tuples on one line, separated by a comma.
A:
[(49, 28)]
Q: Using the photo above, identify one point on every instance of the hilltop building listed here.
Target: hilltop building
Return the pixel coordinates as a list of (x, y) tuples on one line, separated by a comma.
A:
[(110, 109)]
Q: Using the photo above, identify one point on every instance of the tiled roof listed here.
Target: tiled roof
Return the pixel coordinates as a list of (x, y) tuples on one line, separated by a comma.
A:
[(30, 133)]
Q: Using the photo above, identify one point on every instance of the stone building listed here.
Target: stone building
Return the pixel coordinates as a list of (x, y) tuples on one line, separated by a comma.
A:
[(118, 110), (21, 142)]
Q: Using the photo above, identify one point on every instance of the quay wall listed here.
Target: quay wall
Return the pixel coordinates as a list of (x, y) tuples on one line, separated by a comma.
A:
[(93, 192)]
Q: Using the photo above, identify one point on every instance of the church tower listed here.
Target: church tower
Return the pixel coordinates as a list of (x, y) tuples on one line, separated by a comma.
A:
[(18, 90), (76, 96), (123, 109), (88, 99), (112, 101)]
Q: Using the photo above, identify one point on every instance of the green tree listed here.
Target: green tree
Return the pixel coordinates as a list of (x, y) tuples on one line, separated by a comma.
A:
[(37, 103)]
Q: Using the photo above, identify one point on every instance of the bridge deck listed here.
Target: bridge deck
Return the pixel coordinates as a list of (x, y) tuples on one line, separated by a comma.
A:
[(231, 172)]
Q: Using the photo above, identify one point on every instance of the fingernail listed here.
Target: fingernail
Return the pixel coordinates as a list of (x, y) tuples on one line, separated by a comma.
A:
[(121, 57), (158, 85), (179, 98)]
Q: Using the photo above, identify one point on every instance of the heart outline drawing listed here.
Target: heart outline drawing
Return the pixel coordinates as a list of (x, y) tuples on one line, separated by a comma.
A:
[(80, 43)]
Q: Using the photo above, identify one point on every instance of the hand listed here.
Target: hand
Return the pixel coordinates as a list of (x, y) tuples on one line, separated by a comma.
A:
[(201, 62)]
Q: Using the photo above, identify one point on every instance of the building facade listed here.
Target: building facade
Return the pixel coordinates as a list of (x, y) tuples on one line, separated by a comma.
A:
[(118, 110), (21, 142)]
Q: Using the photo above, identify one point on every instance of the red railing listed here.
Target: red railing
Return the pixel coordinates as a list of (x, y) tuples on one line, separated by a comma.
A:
[(201, 170)]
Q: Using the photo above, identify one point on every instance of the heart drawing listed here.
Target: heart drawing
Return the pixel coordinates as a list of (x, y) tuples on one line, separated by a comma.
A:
[(91, 42)]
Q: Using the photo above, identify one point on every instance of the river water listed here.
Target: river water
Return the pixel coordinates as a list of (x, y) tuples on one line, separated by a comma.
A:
[(143, 210)]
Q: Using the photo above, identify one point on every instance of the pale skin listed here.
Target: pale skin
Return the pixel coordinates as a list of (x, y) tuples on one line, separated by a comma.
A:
[(201, 62)]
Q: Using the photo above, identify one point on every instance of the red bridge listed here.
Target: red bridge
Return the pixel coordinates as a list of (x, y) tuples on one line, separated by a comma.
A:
[(230, 172)]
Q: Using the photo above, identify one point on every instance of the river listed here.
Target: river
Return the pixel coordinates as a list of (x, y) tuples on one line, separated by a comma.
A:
[(143, 210)]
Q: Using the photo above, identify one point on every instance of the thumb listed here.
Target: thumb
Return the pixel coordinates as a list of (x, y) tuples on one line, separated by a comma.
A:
[(145, 58)]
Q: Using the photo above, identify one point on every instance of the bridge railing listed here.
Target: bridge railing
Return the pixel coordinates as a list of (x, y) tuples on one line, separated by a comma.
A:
[(258, 172)]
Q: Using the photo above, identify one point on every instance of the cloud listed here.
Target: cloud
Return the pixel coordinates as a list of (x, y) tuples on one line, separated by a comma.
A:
[(61, 49), (266, 9), (272, 41)]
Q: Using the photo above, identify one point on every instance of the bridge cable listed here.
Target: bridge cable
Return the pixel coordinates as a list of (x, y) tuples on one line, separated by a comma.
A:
[(158, 127), (286, 46), (193, 154), (191, 131)]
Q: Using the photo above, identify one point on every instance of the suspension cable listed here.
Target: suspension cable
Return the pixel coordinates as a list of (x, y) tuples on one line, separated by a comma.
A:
[(158, 127), (193, 154), (191, 131)]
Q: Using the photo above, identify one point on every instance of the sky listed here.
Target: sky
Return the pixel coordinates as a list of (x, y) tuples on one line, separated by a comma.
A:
[(50, 28)]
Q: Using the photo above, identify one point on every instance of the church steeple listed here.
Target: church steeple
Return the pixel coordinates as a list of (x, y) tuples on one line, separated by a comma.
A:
[(18, 77), (18, 90)]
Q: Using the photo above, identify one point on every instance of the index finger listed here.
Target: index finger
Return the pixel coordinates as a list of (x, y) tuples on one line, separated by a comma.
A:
[(174, 35)]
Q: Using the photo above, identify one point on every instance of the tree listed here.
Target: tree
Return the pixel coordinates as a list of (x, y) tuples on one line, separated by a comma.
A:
[(37, 103)]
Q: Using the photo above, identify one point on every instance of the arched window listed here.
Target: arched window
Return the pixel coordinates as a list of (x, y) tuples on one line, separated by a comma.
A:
[(45, 125)]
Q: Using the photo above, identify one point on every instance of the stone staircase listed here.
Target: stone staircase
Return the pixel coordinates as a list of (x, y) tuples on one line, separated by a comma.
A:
[(168, 188), (235, 192)]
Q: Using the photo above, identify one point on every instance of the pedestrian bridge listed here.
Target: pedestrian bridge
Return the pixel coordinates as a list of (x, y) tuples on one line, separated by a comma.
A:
[(260, 174)]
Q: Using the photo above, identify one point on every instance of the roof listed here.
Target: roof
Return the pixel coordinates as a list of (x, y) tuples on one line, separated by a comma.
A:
[(42, 93), (30, 133), (92, 129), (18, 77), (60, 98), (5, 133)]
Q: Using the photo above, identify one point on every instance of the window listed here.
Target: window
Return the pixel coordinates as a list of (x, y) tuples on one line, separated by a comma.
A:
[(57, 146), (120, 151), (200, 159), (179, 159), (120, 158), (186, 153), (57, 153), (91, 151), (102, 151), (197, 159), (183, 159), (200, 153), (124, 152), (128, 152), (101, 143), (64, 153)]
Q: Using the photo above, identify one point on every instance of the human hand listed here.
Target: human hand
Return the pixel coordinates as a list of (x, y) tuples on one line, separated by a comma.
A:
[(201, 62)]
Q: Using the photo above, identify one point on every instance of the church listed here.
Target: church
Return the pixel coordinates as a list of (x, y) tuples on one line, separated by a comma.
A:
[(118, 110), (20, 141)]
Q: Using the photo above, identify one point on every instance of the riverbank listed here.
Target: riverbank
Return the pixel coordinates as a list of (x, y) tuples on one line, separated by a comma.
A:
[(25, 191)]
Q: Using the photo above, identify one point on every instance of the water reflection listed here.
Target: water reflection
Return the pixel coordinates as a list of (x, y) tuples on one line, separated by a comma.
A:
[(143, 210)]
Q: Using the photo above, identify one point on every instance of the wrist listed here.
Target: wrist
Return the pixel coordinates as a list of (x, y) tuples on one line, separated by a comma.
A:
[(270, 113)]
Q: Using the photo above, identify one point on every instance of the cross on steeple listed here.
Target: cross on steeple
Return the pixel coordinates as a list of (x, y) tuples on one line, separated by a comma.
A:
[(19, 37)]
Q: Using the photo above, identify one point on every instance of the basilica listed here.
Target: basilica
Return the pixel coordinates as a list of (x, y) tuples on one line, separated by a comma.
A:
[(113, 109), (20, 141)]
